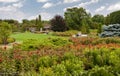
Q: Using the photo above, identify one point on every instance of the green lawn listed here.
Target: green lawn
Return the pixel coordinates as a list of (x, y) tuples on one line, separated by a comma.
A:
[(28, 35)]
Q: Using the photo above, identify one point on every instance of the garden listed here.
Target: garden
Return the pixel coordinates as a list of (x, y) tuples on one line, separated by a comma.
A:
[(51, 55), (31, 49)]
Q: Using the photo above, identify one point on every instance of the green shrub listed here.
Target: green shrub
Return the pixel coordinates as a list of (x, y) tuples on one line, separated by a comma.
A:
[(30, 44), (33, 44), (106, 41), (10, 40), (29, 73), (1, 41), (100, 71), (101, 58), (46, 71), (59, 70), (70, 67), (59, 42), (66, 33), (73, 67), (46, 61)]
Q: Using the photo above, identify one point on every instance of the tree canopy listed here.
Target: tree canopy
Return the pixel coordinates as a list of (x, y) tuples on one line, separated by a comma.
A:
[(75, 16), (113, 18), (58, 24), (39, 22), (5, 31), (98, 18), (97, 21)]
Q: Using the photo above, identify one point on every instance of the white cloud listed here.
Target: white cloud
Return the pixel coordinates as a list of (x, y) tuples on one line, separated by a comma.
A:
[(12, 11), (8, 1), (12, 7), (47, 5), (42, 1), (70, 1), (32, 17), (114, 7), (82, 4), (87, 10), (87, 3), (100, 9), (65, 9), (18, 15), (7, 8), (18, 5), (44, 16)]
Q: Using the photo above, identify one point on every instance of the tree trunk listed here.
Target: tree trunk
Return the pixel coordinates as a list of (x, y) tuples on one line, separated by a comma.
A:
[(4, 40)]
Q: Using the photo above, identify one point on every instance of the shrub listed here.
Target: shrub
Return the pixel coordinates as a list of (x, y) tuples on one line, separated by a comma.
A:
[(59, 42), (46, 61), (33, 44), (106, 41), (83, 40), (73, 67), (10, 40), (69, 67), (1, 41), (46, 71), (59, 70), (66, 33), (101, 58), (100, 71)]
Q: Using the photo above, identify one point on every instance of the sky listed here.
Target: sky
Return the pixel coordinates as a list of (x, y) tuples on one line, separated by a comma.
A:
[(30, 9)]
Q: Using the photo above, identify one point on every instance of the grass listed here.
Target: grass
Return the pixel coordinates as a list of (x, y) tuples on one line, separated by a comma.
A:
[(28, 35)]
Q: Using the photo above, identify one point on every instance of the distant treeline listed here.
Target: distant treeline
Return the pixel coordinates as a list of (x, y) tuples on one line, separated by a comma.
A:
[(74, 19)]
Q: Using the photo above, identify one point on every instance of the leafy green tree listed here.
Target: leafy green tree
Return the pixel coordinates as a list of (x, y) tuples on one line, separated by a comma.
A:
[(5, 31), (25, 24), (84, 28), (99, 30), (97, 22), (39, 22), (74, 17), (14, 24), (58, 24), (113, 18), (98, 18)]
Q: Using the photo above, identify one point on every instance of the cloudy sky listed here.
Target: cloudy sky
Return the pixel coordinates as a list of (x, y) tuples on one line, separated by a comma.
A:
[(29, 9)]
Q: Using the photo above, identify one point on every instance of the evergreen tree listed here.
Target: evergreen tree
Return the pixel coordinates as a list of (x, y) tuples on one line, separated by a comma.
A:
[(39, 22), (99, 29), (85, 27)]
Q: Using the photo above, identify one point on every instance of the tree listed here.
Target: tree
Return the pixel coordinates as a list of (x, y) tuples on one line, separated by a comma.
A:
[(99, 30), (25, 24), (74, 17), (14, 24), (58, 24), (113, 18), (5, 31), (85, 28), (39, 22), (98, 18)]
